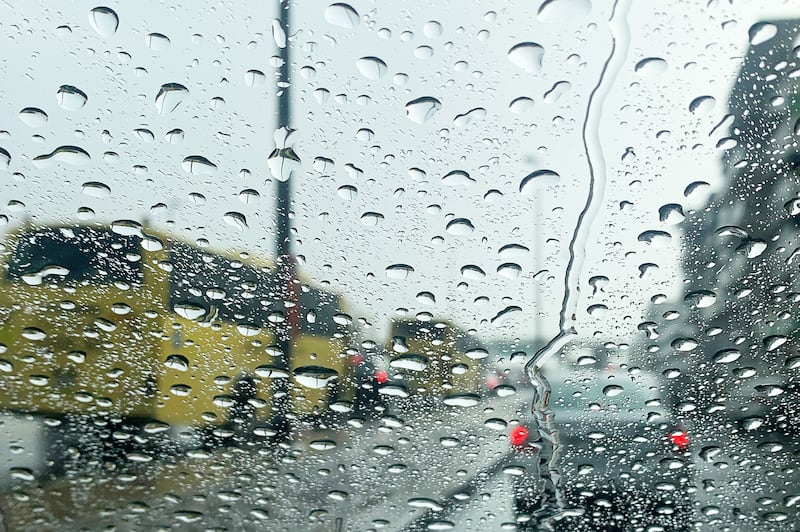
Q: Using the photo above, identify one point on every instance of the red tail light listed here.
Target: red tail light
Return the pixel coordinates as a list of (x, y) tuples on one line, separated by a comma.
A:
[(518, 435), (680, 439), (381, 376)]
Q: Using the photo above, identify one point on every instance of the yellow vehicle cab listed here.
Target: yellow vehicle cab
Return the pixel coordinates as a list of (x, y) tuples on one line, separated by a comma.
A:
[(129, 324), (434, 358)]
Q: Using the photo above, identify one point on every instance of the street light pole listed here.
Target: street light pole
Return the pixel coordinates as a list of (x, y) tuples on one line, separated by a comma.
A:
[(285, 267)]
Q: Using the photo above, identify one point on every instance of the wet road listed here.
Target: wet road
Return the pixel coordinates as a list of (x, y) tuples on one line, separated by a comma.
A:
[(413, 468)]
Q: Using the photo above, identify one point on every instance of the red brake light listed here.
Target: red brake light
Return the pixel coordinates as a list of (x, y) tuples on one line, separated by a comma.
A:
[(356, 360), (381, 376), (680, 439), (518, 435)]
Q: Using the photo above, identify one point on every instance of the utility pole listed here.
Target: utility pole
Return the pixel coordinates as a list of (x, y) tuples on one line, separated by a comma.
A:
[(285, 265)]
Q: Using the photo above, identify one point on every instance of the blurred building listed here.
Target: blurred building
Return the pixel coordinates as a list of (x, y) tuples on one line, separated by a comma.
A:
[(738, 321)]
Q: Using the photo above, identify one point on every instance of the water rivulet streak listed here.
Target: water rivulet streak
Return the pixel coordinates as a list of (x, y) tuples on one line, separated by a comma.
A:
[(577, 253)]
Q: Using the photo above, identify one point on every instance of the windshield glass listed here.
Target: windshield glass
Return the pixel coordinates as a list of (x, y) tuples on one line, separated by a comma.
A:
[(363, 265)]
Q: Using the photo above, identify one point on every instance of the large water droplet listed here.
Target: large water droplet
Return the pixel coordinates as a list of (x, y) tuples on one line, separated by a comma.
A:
[(477, 353), (278, 34), (752, 423), (761, 32), (169, 96), (470, 271), (423, 52), (249, 195), (752, 247), (463, 120), (70, 98), (598, 283), (792, 206), (177, 362), (145, 135), (283, 161), (71, 155), (537, 179), (426, 298), (235, 219), (315, 376), (432, 29), (462, 399), (509, 270), (511, 251), (190, 311), (371, 67), (127, 228), (458, 178), (700, 299), (157, 41), (33, 117), (271, 372), (596, 310), (771, 343), (520, 105), (731, 230), (199, 165), (422, 109), (371, 219), (342, 15), (557, 91), (696, 189), (460, 227), (104, 21), (527, 56), (322, 445), (248, 330), (563, 10), (506, 315), (504, 390), (96, 189), (726, 356), (495, 423), (710, 452), (702, 105), (254, 78), (684, 344), (651, 67), (671, 213), (347, 192), (399, 271), (174, 136), (410, 361), (656, 239), (393, 390)]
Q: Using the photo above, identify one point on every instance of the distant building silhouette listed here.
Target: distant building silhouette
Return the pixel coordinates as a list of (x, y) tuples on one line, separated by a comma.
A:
[(742, 250)]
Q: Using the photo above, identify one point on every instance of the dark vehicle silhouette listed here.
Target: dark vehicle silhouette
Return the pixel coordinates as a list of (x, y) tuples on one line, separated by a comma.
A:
[(620, 461)]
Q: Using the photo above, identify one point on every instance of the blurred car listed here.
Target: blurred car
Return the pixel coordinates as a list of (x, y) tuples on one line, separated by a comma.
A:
[(368, 400), (615, 457), (754, 400)]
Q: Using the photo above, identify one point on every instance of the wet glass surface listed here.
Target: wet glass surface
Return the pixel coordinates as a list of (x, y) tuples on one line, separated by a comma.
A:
[(400, 266)]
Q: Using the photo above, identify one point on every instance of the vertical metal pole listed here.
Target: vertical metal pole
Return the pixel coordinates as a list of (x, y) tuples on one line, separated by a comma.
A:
[(281, 402), (537, 301)]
